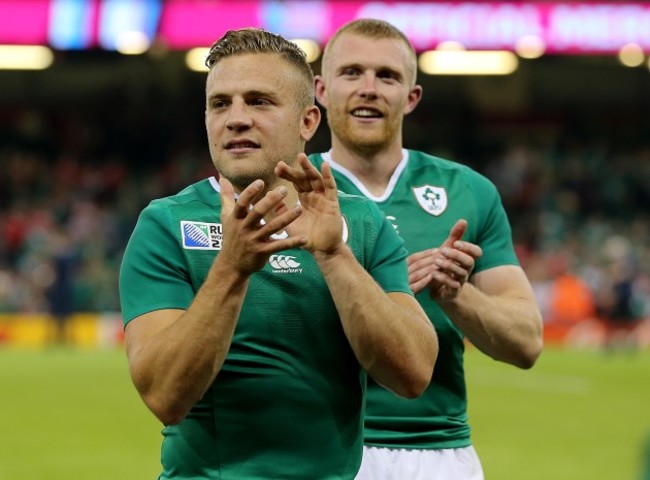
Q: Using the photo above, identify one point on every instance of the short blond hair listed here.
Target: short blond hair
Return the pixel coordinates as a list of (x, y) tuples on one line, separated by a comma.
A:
[(373, 28), (256, 40)]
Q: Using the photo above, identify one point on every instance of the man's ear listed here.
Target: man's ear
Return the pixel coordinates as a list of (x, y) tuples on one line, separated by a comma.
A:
[(321, 93), (414, 97), (309, 124)]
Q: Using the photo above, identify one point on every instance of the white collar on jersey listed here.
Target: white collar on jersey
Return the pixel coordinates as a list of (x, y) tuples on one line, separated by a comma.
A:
[(215, 184), (327, 156)]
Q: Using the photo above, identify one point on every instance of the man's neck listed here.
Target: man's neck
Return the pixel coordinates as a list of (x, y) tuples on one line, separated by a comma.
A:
[(291, 200), (373, 169)]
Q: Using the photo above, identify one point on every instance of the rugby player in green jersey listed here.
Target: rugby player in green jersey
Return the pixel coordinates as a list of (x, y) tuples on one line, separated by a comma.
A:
[(472, 288), (256, 305)]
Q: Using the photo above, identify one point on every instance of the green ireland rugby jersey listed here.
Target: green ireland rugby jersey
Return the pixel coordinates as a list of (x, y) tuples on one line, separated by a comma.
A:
[(288, 402), (424, 199)]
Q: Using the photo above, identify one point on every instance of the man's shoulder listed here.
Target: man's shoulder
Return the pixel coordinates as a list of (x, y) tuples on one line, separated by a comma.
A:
[(202, 191), (354, 202), (421, 163), (358, 209), (194, 202), (419, 159)]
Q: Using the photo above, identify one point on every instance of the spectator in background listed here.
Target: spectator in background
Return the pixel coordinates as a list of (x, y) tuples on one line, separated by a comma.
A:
[(570, 311), (571, 299), (472, 286), (64, 261), (250, 320), (616, 304)]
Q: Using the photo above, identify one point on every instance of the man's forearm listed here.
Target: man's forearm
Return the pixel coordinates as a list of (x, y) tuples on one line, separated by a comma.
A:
[(507, 328), (394, 342), (174, 367)]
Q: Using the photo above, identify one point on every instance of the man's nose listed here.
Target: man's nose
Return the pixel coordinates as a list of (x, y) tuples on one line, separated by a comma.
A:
[(239, 117), (368, 88)]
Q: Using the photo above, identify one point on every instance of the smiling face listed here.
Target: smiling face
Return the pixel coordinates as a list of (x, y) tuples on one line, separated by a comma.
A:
[(367, 86), (253, 116)]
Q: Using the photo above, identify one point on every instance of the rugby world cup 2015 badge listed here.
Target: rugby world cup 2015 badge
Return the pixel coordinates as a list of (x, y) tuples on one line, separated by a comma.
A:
[(432, 199), (201, 236)]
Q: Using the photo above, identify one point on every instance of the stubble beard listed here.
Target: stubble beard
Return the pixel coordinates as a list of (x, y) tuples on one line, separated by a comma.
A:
[(361, 141), (242, 179)]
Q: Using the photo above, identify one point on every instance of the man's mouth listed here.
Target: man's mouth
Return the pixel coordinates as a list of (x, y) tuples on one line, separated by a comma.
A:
[(366, 113), (240, 144)]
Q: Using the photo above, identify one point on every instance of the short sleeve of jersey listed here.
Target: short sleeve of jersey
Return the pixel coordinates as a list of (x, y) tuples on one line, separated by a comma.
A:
[(153, 275), (494, 234), (386, 261)]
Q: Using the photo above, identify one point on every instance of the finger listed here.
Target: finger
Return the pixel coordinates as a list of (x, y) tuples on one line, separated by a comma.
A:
[(456, 233), (456, 255), (463, 260), (280, 222), (272, 201), (453, 268), (227, 194), (419, 285), (470, 249), (422, 268), (284, 244), (419, 275), (328, 179), (423, 258), (242, 207), (445, 280), (294, 175), (312, 175)]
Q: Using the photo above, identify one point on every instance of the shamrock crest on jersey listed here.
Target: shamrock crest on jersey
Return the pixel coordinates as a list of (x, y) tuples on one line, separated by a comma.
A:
[(432, 199)]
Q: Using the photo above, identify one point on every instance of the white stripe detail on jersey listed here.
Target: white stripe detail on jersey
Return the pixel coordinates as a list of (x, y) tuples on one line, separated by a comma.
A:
[(327, 156)]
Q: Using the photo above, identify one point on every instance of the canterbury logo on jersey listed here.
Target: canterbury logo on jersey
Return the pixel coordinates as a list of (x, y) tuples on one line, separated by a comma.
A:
[(289, 264), (285, 264), (201, 236)]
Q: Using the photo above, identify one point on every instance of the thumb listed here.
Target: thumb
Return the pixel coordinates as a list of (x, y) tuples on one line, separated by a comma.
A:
[(456, 233)]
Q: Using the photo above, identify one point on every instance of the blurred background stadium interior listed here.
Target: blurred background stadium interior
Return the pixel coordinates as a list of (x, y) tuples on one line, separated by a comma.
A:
[(115, 118)]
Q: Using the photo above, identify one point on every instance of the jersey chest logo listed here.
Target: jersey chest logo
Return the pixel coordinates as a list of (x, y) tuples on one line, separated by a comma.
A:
[(433, 200), (201, 236), (285, 264)]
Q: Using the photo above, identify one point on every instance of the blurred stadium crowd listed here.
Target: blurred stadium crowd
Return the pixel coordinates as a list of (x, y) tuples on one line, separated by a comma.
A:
[(72, 184)]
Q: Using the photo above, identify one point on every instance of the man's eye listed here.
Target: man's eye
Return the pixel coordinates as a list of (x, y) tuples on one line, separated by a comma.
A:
[(259, 101), (388, 75)]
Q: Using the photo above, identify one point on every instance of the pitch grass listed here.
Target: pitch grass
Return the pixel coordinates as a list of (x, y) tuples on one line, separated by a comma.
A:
[(576, 415), (70, 414)]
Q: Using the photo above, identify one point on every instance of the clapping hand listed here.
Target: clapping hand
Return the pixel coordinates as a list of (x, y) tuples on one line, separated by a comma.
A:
[(247, 242), (444, 270), (320, 221)]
